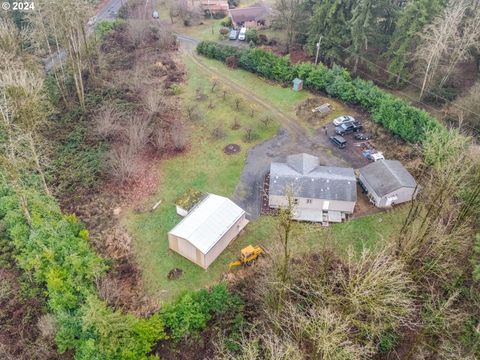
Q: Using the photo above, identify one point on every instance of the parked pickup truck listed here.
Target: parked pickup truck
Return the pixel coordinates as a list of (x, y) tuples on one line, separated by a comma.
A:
[(348, 127)]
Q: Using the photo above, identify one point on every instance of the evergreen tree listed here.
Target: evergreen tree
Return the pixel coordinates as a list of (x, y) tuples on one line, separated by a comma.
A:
[(412, 19), (331, 21), (371, 23)]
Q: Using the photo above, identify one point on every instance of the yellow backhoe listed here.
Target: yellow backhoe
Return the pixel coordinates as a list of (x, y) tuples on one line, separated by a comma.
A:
[(248, 255)]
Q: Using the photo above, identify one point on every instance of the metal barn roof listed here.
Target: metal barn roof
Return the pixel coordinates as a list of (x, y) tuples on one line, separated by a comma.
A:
[(207, 222), (302, 174), (385, 176)]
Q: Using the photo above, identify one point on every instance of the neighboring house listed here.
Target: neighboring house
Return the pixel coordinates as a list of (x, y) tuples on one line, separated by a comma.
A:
[(319, 193), (209, 6), (207, 230), (252, 16), (387, 183)]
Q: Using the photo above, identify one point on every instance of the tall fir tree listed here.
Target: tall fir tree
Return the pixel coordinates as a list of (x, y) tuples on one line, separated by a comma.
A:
[(415, 15), (331, 21)]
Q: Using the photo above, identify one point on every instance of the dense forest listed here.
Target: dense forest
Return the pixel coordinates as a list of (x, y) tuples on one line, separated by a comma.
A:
[(79, 138), (428, 47)]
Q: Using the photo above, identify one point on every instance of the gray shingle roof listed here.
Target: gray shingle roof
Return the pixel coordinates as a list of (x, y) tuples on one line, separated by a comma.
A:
[(303, 175), (385, 176), (255, 12)]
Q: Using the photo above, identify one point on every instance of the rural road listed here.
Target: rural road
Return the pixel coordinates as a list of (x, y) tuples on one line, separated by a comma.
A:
[(108, 11)]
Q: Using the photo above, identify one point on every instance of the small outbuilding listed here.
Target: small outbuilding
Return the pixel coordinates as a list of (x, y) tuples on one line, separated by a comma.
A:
[(207, 230), (387, 183), (297, 84)]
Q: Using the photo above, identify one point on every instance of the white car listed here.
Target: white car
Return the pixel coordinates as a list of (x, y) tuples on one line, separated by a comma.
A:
[(155, 14), (343, 119), (242, 35), (376, 156)]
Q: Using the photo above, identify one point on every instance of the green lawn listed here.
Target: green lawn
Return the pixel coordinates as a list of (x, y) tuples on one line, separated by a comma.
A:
[(205, 167)]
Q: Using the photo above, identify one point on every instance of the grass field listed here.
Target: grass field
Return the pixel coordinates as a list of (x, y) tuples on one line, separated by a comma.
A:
[(205, 167)]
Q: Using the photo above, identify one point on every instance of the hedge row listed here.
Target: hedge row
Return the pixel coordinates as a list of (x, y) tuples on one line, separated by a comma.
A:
[(396, 115), (54, 250)]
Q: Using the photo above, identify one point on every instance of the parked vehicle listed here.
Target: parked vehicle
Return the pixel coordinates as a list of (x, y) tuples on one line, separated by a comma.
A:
[(338, 141), (375, 157), (343, 119), (348, 127), (233, 34), (362, 136), (242, 35), (155, 14)]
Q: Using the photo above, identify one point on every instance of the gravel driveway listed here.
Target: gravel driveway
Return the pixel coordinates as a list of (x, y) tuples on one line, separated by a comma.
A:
[(248, 192)]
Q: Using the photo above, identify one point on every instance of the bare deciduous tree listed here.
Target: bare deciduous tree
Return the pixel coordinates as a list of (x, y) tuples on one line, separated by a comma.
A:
[(446, 42)]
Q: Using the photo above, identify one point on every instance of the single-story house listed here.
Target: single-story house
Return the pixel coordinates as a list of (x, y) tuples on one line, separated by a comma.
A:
[(251, 16), (387, 183), (207, 230), (319, 193)]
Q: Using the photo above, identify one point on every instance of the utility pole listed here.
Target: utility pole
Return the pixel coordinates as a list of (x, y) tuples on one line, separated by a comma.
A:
[(318, 49)]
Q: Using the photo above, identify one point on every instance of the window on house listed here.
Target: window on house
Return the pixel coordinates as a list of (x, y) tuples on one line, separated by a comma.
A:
[(295, 201), (309, 201)]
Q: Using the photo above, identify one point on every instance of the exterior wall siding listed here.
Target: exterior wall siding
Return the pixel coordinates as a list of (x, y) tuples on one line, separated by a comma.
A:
[(376, 199), (226, 239), (277, 201), (186, 249)]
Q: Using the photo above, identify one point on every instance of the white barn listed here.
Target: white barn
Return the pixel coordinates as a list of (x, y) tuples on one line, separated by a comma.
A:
[(207, 230), (319, 193), (387, 183)]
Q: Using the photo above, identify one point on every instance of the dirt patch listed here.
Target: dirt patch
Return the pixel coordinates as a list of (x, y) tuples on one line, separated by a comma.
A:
[(231, 149), (175, 274), (304, 111)]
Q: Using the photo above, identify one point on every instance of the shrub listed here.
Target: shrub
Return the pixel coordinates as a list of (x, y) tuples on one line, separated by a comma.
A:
[(251, 35), (231, 62), (224, 31), (227, 22)]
